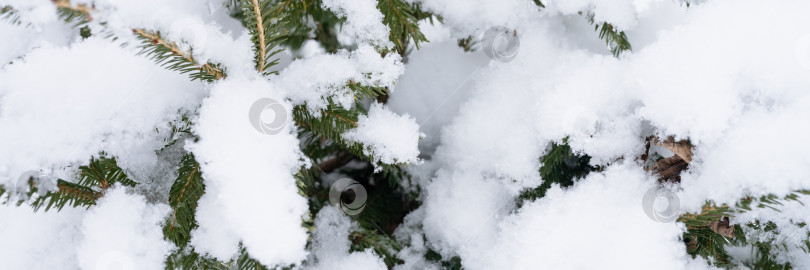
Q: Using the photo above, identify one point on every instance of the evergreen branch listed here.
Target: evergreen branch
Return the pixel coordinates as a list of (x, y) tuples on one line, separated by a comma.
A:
[(454, 263), (93, 180), (265, 22), (183, 196), (708, 214), (9, 14), (80, 14), (165, 53), (322, 135), (327, 129), (559, 165), (260, 35), (170, 56), (364, 91), (103, 173), (188, 258), (705, 238), (384, 245), (178, 130), (403, 25), (67, 193), (615, 40)]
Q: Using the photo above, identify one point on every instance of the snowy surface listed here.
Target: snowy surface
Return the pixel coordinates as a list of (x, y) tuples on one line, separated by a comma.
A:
[(731, 76), (363, 20), (389, 138)]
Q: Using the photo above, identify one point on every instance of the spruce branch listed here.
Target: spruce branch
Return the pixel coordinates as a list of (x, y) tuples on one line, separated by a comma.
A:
[(265, 22), (78, 15), (170, 56), (80, 10), (93, 179), (165, 53), (382, 244), (183, 197), (188, 258), (67, 193), (559, 165), (103, 173), (614, 39), (709, 232), (322, 135), (402, 21), (9, 14)]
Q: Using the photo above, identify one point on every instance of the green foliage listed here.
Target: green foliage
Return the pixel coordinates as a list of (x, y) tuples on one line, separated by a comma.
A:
[(178, 130), (188, 258), (384, 245), (183, 196), (614, 39), (402, 19), (271, 23), (559, 165), (74, 16), (468, 44), (100, 174), (67, 193), (702, 241), (7, 13), (263, 20), (453, 263), (170, 56)]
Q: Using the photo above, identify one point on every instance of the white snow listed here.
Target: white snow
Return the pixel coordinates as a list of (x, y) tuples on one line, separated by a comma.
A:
[(331, 244), (123, 232), (388, 137), (233, 155), (61, 105), (363, 20), (311, 79), (730, 76)]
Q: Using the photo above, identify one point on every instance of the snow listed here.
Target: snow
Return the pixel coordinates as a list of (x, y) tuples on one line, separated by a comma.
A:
[(331, 244), (730, 76), (123, 232), (267, 217), (363, 20), (96, 85), (321, 75), (388, 137)]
